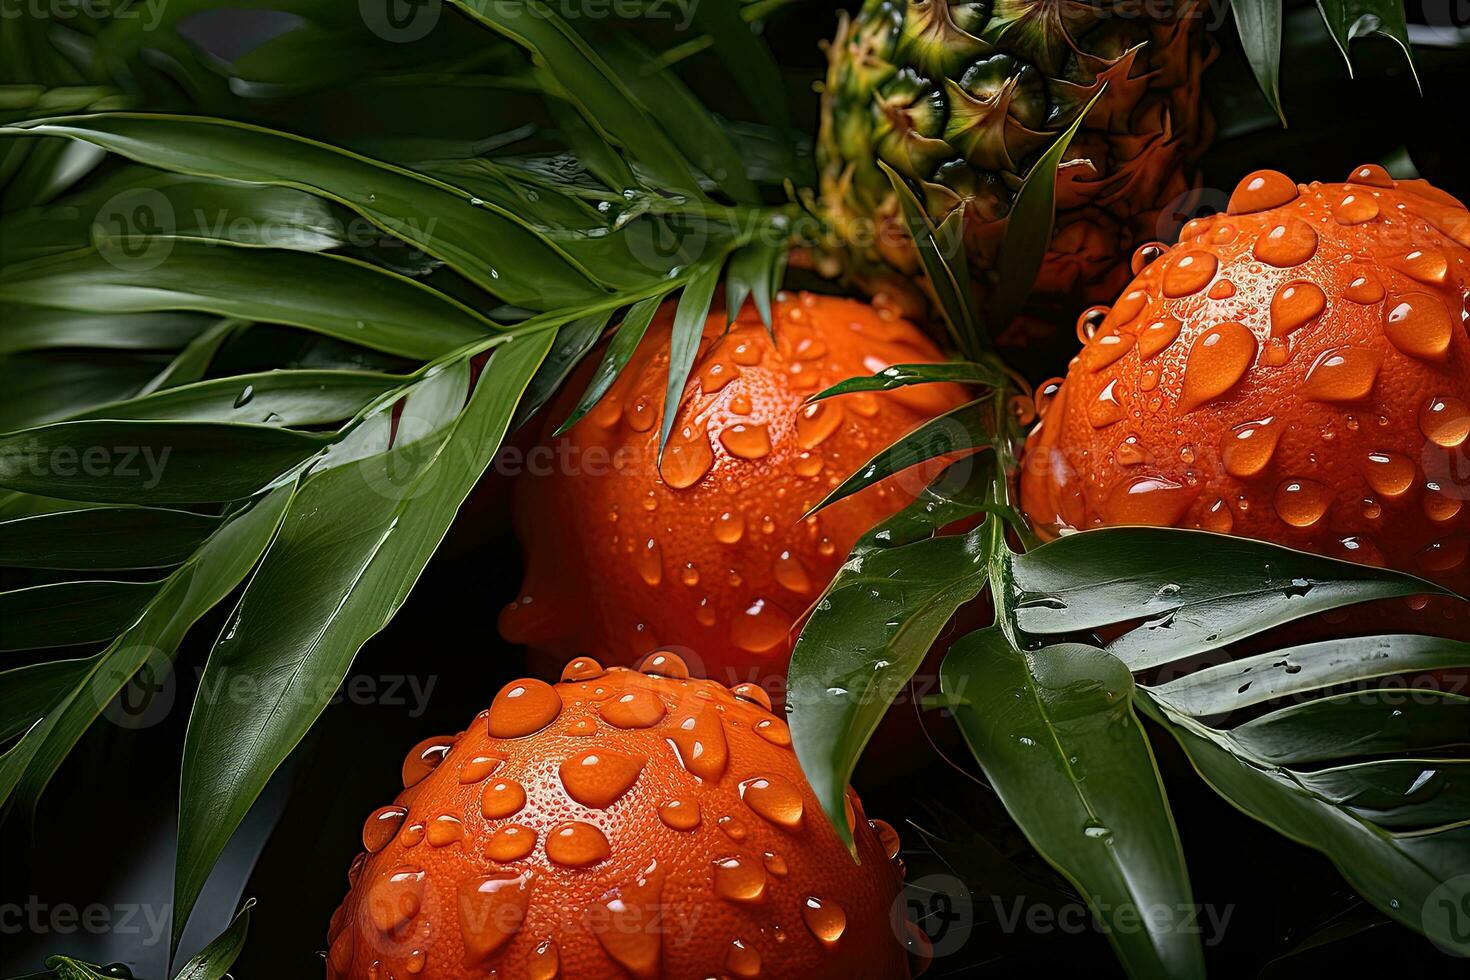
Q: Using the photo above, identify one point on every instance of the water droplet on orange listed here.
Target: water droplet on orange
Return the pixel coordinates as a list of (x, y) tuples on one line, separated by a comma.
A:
[(1361, 550), (665, 663), (687, 458), (739, 879), (545, 961), (1418, 325), (1355, 208), (773, 730), (597, 777), (775, 799), (633, 709), (1189, 273), (581, 669), (628, 934), (1105, 409), (1429, 266), (510, 843), (1288, 243), (1365, 289), (887, 838), (1446, 554), (424, 758), (747, 353), (732, 828), (502, 798), (761, 627), (1445, 421), (1218, 517), (1224, 289), (704, 612), (741, 405), (716, 376), (1261, 191), (1390, 474), (729, 527), (1127, 308), (1294, 306), (1149, 500), (792, 574), (395, 899), (742, 960), (478, 768), (1344, 374), (1089, 322), (650, 562), (1372, 175), (381, 826), (826, 920), (753, 693), (1440, 506), (576, 844), (1106, 349), (681, 813), (699, 740), (1157, 336), (815, 422), (523, 708), (412, 835), (1130, 453), (863, 403), (491, 909), (1301, 503), (1217, 361), (1146, 255), (640, 413)]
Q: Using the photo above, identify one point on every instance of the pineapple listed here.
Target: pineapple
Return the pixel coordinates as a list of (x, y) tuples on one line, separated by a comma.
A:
[(960, 98)]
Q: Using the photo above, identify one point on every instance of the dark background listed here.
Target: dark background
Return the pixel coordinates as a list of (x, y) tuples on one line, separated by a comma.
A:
[(104, 831)]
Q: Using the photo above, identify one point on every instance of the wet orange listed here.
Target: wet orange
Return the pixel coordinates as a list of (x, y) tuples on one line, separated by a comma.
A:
[(1312, 389), (617, 824), (711, 548)]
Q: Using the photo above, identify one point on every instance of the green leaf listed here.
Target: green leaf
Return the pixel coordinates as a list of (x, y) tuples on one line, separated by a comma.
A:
[(867, 635), (900, 375), (61, 614), (947, 277), (330, 294), (748, 60), (958, 430), (1359, 723), (1055, 732), (1259, 25), (27, 693), (278, 398), (1238, 684), (39, 327), (1348, 20), (1398, 872), (191, 591), (169, 462), (688, 331), (103, 538), (360, 529), (629, 334), (490, 247), (1194, 591), (1029, 226), (214, 961), (751, 275), (573, 341), (1399, 794)]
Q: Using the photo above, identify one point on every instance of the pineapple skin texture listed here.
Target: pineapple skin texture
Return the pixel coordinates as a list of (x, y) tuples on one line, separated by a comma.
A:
[(961, 98)]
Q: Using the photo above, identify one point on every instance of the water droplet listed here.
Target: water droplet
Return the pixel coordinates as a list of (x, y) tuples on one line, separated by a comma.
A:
[(522, 708), (381, 827), (1189, 273), (753, 693), (665, 663), (412, 835), (640, 413), (244, 397), (739, 879), (1365, 289), (395, 899), (761, 627), (1130, 453), (1149, 500), (502, 798), (775, 799), (1343, 374), (1427, 265), (478, 768), (633, 709), (1089, 322), (1127, 308), (1355, 208), (424, 758), (732, 828), (581, 669), (491, 909), (742, 960), (1390, 474), (1224, 289), (1439, 506), (1446, 554), (699, 740), (545, 961), (729, 527), (716, 376), (681, 813), (510, 843), (1418, 325), (1218, 517), (1146, 255), (1289, 243), (887, 838), (687, 458), (576, 844), (1105, 409), (627, 935), (1301, 503), (1261, 191), (1217, 361), (1294, 306), (1372, 175), (650, 562), (1046, 395), (747, 353), (826, 920), (817, 421), (1445, 421), (1106, 349), (598, 777)]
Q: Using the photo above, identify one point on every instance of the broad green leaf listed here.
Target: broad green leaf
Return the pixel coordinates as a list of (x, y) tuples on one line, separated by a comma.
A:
[(38, 327), (214, 960), (103, 538), (900, 375), (1238, 684), (329, 294), (364, 524), (168, 462), (865, 638), (1348, 20), (188, 593), (1398, 873), (492, 248), (47, 386), (959, 430), (279, 398), (1193, 590), (1055, 733), (1399, 794), (688, 331), (1029, 226), (1259, 25), (1359, 723), (61, 614), (624, 342), (193, 362), (27, 693)]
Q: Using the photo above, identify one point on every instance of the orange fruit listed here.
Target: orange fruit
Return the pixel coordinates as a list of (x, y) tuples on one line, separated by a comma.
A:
[(1296, 369), (711, 549), (619, 823)]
